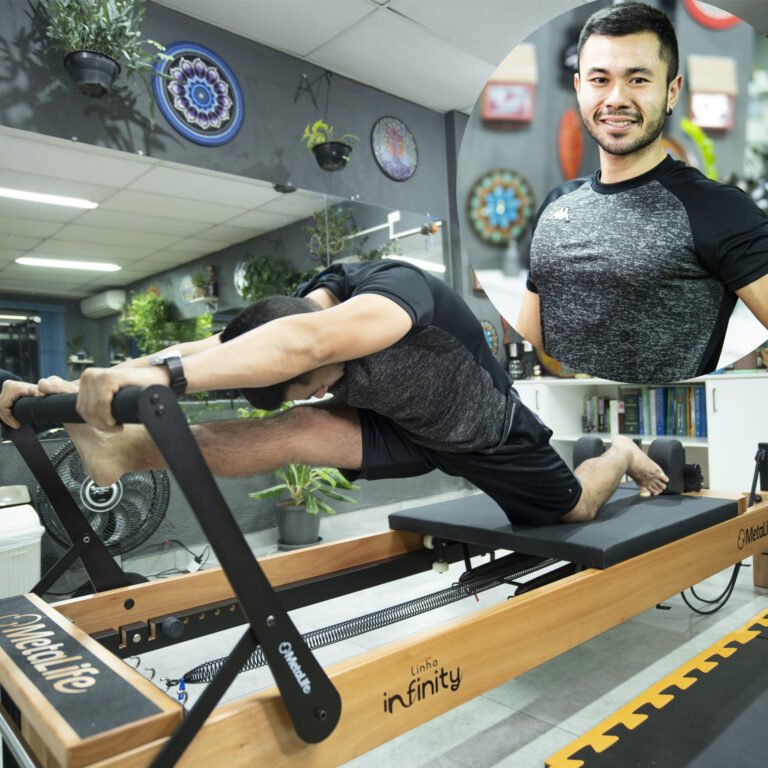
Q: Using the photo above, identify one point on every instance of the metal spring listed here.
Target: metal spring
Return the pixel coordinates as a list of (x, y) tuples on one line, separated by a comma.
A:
[(319, 638)]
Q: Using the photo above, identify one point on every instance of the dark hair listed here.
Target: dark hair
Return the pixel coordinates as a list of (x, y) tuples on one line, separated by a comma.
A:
[(262, 311), (633, 18)]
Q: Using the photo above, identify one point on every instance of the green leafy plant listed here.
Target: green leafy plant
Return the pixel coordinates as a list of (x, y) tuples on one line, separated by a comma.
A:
[(200, 281), (267, 275), (148, 318), (320, 132), (330, 233), (705, 144), (305, 485), (109, 27)]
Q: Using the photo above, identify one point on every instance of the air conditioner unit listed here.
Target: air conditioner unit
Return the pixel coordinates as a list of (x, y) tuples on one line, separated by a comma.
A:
[(103, 304)]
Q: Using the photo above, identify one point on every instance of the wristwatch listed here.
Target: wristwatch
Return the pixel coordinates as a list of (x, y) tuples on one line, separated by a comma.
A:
[(178, 382)]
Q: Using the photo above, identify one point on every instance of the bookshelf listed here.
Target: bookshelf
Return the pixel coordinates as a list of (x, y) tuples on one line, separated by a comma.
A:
[(736, 407)]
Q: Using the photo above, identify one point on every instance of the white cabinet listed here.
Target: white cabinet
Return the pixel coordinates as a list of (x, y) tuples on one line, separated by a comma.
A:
[(737, 419)]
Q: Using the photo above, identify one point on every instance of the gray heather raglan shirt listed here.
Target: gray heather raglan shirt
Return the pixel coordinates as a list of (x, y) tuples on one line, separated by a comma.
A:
[(440, 382), (636, 280)]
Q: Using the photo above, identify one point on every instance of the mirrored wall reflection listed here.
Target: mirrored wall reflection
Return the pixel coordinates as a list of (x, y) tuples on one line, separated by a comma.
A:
[(19, 352), (525, 138), (205, 242)]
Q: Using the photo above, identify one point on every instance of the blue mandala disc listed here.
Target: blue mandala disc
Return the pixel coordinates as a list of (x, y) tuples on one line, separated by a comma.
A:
[(199, 95)]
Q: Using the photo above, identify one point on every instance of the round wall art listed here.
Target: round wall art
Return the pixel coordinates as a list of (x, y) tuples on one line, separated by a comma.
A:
[(394, 148), (501, 204), (198, 94)]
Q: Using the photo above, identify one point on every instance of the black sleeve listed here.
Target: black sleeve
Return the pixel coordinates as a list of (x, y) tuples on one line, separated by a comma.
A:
[(406, 286), (730, 234)]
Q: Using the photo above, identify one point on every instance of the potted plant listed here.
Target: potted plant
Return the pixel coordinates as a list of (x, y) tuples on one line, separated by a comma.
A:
[(298, 519), (100, 38), (200, 284), (268, 275), (330, 233), (148, 318), (331, 154)]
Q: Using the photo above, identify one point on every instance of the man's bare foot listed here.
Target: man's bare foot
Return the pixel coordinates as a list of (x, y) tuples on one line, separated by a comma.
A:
[(107, 456), (648, 475)]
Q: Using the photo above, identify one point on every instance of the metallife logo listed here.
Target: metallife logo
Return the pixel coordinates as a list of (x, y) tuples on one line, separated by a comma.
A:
[(427, 679), (749, 535), (32, 638), (286, 651)]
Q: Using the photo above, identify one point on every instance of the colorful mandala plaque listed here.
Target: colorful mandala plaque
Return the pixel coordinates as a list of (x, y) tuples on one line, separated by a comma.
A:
[(200, 96), (394, 148), (491, 335), (501, 204)]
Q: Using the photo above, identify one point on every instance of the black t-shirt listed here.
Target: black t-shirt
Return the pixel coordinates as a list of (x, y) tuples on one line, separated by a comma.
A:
[(440, 382), (636, 279)]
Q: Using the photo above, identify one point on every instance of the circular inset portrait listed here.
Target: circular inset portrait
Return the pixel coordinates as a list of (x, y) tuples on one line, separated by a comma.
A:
[(644, 257)]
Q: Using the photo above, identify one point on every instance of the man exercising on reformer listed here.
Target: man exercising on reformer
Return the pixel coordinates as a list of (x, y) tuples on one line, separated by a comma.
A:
[(414, 384)]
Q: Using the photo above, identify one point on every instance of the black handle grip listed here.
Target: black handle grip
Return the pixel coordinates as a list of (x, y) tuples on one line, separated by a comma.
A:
[(60, 408)]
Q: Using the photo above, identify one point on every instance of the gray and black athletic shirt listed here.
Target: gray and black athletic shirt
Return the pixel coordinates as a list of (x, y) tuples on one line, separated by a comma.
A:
[(636, 280), (440, 382)]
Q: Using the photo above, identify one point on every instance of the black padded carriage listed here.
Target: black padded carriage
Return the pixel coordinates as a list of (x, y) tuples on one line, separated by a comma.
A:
[(627, 525)]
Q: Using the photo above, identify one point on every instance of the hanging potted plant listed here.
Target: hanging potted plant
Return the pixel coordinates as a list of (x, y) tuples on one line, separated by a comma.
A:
[(298, 517), (100, 39), (331, 154)]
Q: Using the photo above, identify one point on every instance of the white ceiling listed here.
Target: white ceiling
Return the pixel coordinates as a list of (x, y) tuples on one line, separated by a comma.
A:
[(438, 53)]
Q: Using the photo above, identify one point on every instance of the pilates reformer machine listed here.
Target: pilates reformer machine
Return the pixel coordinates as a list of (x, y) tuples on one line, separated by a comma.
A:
[(68, 700)]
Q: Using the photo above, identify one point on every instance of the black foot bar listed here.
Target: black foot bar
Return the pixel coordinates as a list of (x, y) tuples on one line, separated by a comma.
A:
[(310, 698)]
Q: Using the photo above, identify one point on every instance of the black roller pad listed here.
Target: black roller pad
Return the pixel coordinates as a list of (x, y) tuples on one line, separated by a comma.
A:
[(627, 525)]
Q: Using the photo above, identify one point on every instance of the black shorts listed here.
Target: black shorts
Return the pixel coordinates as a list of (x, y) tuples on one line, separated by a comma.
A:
[(525, 476)]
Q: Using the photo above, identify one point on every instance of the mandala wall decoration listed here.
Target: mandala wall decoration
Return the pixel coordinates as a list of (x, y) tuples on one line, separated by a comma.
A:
[(501, 204), (394, 148), (199, 94), (491, 335)]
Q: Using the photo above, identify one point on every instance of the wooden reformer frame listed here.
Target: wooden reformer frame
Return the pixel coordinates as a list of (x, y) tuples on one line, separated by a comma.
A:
[(481, 650)]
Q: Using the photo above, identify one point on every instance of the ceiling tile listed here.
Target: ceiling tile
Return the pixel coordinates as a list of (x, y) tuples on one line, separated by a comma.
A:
[(52, 184), (387, 49), (261, 221), (159, 225), (24, 209), (115, 254), (18, 242), (35, 153), (299, 204), (298, 26), (175, 207), (489, 29), (27, 227), (226, 233), (226, 190), (109, 237)]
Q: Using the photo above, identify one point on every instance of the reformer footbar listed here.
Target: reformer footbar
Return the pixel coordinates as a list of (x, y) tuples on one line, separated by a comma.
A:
[(310, 698)]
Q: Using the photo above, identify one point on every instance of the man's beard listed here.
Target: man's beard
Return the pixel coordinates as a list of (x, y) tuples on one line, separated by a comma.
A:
[(616, 147)]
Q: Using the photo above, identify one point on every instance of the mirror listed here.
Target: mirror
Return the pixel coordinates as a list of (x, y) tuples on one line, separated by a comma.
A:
[(164, 225)]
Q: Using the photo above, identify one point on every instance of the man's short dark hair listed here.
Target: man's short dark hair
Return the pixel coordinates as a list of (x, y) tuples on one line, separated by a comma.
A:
[(262, 311), (634, 18)]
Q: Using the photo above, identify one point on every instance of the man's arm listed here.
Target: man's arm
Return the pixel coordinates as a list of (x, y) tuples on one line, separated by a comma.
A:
[(528, 323), (755, 296), (276, 351)]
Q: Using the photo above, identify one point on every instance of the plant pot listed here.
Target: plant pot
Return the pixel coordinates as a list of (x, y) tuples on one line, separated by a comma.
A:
[(296, 528), (94, 73), (332, 155)]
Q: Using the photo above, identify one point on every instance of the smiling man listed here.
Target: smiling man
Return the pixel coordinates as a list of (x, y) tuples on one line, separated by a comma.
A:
[(636, 271)]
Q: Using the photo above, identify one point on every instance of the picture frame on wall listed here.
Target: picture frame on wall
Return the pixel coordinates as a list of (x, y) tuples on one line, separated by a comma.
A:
[(508, 102)]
